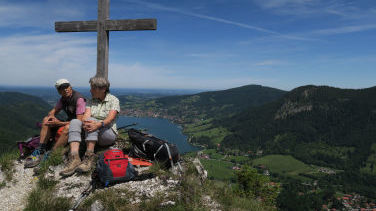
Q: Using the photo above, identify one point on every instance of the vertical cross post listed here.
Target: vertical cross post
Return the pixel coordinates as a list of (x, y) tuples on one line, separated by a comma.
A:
[(103, 26), (103, 38)]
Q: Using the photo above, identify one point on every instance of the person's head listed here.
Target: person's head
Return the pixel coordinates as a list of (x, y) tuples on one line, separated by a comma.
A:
[(63, 87), (99, 87)]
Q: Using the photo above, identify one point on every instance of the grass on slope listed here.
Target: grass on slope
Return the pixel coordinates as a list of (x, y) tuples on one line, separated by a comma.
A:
[(206, 129), (286, 165), (213, 154), (219, 170), (6, 163)]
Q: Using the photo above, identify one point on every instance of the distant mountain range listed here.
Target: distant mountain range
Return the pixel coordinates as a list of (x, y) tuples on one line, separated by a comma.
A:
[(206, 104), (319, 125), (19, 114)]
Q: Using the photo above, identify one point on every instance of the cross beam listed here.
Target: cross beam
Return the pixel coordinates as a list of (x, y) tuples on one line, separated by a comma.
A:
[(103, 26)]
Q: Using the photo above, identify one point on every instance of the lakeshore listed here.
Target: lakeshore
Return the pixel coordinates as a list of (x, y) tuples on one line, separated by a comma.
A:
[(162, 128)]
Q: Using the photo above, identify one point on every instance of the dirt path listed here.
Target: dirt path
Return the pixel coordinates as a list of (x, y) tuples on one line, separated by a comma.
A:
[(13, 195)]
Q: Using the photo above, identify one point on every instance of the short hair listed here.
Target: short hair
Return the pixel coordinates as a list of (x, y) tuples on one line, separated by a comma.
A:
[(100, 82)]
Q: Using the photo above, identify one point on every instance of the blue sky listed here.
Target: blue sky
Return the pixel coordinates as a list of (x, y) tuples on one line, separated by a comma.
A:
[(206, 44)]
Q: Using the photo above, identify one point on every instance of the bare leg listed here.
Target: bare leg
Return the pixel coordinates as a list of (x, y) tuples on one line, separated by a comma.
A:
[(63, 139), (90, 146), (74, 147), (45, 131)]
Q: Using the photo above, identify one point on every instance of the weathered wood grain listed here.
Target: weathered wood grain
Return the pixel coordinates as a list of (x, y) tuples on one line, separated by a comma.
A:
[(103, 38), (131, 24), (76, 26), (110, 25)]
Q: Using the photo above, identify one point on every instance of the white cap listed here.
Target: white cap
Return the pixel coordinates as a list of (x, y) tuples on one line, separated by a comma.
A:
[(60, 82)]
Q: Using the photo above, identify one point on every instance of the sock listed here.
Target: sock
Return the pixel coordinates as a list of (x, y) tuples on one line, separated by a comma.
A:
[(42, 147), (74, 154), (89, 151)]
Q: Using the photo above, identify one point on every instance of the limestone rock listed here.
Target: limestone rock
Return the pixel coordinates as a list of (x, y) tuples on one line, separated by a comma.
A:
[(96, 206)]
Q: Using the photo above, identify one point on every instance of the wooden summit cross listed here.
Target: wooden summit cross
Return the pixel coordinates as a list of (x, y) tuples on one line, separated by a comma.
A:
[(103, 26)]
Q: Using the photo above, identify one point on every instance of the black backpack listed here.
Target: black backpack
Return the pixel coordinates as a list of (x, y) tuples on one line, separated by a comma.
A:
[(153, 148)]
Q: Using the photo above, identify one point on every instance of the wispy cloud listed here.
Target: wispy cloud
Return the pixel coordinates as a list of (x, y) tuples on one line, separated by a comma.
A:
[(138, 75), (216, 19), (210, 55), (40, 59), (270, 63), (345, 29), (36, 14), (346, 10), (289, 7), (282, 3)]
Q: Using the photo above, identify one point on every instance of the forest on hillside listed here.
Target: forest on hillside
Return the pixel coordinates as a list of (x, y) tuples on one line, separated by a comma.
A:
[(19, 114)]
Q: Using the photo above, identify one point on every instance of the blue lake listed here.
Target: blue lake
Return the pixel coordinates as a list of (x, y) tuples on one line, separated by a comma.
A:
[(161, 128)]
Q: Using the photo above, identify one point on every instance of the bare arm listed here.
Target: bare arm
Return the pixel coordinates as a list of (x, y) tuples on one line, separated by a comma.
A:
[(52, 120), (87, 114), (80, 117), (110, 117), (52, 113)]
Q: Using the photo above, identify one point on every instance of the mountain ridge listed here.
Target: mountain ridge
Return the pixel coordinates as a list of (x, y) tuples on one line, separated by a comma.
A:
[(19, 114)]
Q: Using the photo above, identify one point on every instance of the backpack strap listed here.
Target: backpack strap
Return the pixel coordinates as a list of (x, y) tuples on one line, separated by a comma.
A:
[(143, 144), (158, 150), (169, 154)]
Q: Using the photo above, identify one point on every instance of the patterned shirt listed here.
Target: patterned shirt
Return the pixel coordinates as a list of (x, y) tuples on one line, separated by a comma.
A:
[(101, 109)]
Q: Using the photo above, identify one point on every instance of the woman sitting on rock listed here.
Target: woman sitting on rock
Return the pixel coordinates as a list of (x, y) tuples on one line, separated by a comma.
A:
[(99, 124)]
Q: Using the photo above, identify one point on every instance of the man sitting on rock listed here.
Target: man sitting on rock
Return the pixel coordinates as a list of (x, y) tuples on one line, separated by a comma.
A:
[(73, 103)]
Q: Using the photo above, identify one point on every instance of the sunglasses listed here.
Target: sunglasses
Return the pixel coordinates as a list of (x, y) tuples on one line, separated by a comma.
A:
[(63, 86)]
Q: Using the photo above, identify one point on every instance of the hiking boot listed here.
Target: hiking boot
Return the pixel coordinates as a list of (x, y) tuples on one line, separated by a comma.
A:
[(73, 162), (34, 159), (87, 162)]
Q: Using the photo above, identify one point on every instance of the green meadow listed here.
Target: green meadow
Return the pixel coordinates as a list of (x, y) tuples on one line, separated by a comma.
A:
[(286, 165), (218, 169)]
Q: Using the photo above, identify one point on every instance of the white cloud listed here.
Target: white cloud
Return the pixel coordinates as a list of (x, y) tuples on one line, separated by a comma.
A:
[(37, 14), (345, 29), (346, 10), (216, 19), (270, 63), (41, 59), (210, 55), (282, 3), (141, 76)]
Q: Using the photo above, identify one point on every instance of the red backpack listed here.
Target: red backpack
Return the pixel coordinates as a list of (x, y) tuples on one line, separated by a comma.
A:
[(113, 167)]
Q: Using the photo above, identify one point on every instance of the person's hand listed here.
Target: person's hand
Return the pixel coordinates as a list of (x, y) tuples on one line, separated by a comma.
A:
[(91, 125), (52, 121)]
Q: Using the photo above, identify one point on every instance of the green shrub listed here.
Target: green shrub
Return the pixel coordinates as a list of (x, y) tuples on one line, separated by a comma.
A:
[(255, 185)]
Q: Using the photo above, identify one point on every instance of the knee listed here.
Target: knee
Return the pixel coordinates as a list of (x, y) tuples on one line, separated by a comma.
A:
[(45, 120), (75, 121), (74, 125), (66, 129)]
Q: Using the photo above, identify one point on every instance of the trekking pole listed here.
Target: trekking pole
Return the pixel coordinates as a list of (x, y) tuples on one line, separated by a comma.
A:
[(92, 186), (83, 196), (124, 127)]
